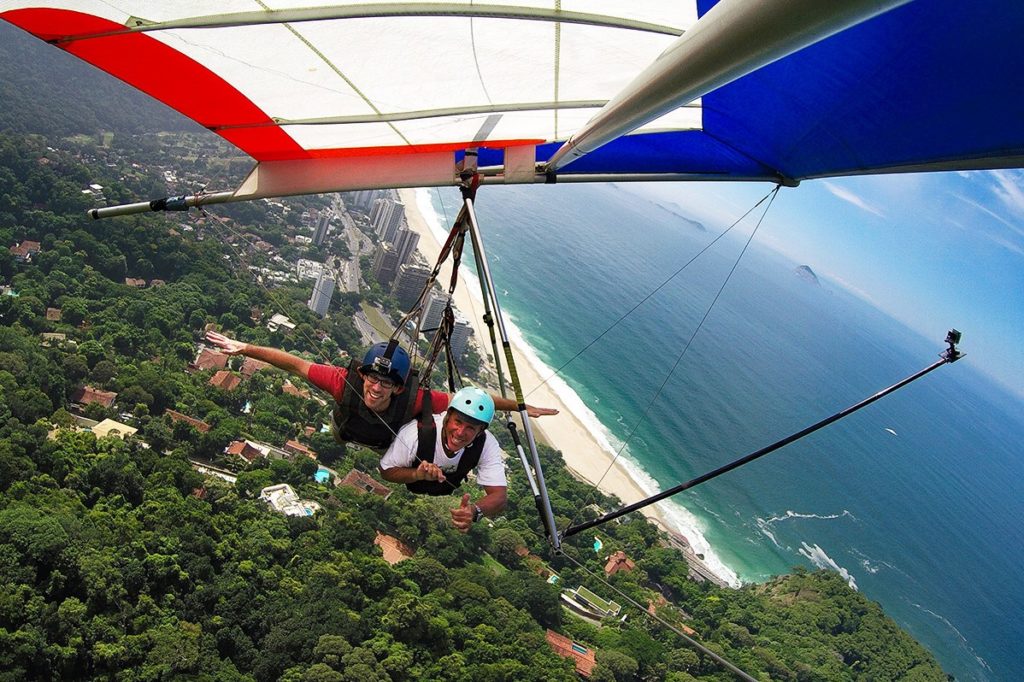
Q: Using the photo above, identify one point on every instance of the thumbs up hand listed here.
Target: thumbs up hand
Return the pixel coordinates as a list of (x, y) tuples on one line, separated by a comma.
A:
[(462, 516)]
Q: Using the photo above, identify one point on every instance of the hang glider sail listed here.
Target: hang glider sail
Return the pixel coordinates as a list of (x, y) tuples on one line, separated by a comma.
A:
[(348, 95)]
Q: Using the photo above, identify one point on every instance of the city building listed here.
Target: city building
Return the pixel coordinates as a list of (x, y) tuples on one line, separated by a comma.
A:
[(321, 228), (308, 269), (323, 290), (386, 217), (406, 242), (363, 200), (432, 311), (460, 336), (409, 284), (385, 264)]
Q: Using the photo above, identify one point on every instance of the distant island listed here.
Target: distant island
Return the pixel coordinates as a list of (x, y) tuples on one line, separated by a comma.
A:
[(805, 273)]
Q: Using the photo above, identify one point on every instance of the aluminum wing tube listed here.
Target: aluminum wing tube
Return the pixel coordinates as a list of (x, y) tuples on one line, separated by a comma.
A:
[(733, 39)]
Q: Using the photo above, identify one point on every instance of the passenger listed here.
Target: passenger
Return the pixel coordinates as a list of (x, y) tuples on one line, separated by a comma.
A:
[(433, 456), (372, 398)]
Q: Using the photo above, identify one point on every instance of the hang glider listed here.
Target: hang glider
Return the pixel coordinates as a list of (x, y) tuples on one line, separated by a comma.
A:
[(350, 95)]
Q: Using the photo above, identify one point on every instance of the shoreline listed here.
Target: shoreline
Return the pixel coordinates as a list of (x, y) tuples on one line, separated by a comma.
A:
[(585, 445)]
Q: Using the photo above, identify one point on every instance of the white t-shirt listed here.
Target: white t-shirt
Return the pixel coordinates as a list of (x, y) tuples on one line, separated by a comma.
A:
[(490, 470)]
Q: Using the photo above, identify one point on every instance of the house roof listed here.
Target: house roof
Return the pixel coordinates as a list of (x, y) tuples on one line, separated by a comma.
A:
[(210, 359), (299, 449), (199, 425), (88, 395), (251, 365), (225, 380), (109, 427), (566, 648), (364, 483), (618, 562)]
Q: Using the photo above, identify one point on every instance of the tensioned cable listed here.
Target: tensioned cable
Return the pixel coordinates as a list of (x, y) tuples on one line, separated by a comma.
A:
[(558, 370), (689, 640), (661, 388)]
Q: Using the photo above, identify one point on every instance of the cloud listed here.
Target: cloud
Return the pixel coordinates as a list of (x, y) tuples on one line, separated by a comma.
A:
[(849, 197), (1009, 190), (1002, 238)]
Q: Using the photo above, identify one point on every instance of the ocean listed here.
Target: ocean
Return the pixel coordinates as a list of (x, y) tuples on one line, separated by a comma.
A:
[(915, 499)]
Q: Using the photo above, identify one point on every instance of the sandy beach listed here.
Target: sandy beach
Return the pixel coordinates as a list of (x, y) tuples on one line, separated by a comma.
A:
[(582, 449)]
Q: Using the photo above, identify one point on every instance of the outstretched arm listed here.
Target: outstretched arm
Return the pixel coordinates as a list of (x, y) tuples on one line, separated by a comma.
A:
[(292, 364), (510, 405)]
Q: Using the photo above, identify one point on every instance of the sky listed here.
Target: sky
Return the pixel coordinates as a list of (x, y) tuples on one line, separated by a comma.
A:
[(933, 250)]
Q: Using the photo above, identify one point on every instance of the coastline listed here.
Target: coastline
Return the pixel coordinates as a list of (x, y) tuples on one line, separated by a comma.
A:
[(575, 431)]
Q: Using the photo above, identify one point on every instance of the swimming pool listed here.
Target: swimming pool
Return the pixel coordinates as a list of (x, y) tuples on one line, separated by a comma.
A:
[(322, 475)]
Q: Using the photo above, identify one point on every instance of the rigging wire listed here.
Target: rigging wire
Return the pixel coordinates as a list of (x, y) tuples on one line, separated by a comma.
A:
[(686, 638), (650, 404), (223, 222)]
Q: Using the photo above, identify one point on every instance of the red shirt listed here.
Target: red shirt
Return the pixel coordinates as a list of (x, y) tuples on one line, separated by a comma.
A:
[(332, 379)]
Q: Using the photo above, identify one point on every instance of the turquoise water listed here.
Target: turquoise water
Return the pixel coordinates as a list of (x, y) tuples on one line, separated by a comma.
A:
[(915, 499), (322, 475)]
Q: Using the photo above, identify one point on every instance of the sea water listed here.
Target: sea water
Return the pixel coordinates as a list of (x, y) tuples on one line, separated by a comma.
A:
[(914, 500)]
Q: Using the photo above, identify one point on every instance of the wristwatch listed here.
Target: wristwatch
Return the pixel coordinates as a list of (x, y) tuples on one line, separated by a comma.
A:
[(478, 513)]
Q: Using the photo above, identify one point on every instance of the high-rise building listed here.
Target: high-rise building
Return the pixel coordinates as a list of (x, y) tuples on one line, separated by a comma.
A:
[(385, 264), (406, 242), (409, 284), (321, 228), (363, 199), (386, 217), (460, 337), (323, 290), (432, 310)]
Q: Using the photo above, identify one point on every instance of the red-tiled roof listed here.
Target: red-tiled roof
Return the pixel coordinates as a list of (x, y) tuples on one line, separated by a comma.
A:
[(25, 250), (199, 425), (251, 365), (225, 380), (365, 483), (242, 449), (618, 562), (298, 448), (87, 395), (211, 359), (565, 647)]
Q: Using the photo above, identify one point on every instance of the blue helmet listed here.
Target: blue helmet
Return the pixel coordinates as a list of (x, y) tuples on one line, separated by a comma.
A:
[(473, 403), (394, 365)]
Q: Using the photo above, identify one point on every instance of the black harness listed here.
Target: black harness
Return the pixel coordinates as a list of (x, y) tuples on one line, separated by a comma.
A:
[(427, 434), (353, 421)]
